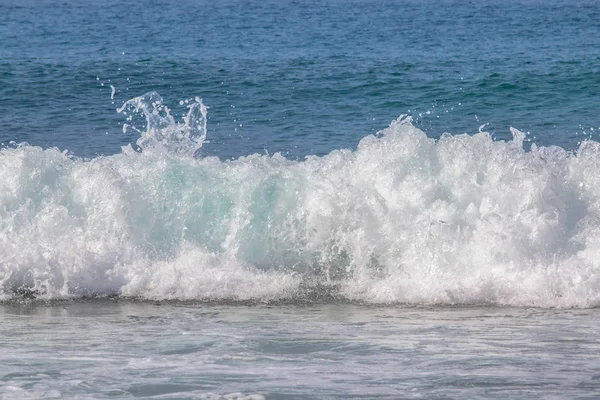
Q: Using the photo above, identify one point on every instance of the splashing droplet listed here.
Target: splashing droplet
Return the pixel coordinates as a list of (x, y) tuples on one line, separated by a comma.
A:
[(162, 134)]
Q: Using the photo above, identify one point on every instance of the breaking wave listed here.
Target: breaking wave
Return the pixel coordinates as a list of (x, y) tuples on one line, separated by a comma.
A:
[(402, 219)]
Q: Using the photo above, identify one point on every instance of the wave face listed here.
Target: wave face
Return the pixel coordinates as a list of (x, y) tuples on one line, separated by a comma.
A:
[(403, 219)]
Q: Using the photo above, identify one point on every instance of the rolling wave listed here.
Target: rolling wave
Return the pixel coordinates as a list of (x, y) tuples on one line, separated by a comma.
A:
[(402, 219)]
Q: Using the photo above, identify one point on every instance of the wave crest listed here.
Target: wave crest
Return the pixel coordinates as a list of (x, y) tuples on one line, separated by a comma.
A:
[(403, 219)]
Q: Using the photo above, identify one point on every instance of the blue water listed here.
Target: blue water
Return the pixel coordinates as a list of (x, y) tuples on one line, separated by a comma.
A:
[(300, 77), (383, 199)]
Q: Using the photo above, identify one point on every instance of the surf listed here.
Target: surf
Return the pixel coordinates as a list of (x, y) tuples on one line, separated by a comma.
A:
[(403, 218)]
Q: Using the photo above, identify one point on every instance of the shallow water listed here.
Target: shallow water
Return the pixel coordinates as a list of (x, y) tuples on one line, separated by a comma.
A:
[(124, 349)]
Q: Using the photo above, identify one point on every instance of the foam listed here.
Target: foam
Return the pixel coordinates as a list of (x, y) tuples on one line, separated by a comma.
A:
[(402, 219)]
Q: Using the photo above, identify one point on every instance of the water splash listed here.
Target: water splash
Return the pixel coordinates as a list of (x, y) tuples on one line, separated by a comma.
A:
[(162, 134), (402, 219)]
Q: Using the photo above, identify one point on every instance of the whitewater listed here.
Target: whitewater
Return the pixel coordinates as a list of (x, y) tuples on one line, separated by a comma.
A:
[(402, 219), (299, 200)]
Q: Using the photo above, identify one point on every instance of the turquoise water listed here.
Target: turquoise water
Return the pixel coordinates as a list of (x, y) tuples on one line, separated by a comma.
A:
[(286, 200)]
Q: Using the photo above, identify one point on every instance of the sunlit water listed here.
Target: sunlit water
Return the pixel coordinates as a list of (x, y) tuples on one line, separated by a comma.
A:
[(324, 228)]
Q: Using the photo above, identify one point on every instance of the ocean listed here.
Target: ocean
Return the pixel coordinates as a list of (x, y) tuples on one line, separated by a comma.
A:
[(317, 199)]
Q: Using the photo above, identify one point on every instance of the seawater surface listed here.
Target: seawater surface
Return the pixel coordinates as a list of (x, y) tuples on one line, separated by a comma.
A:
[(115, 349), (333, 199), (300, 77)]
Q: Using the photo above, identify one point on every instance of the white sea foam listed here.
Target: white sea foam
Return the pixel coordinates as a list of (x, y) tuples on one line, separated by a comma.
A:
[(403, 219)]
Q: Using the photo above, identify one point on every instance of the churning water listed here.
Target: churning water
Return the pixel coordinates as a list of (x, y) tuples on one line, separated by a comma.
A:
[(290, 241)]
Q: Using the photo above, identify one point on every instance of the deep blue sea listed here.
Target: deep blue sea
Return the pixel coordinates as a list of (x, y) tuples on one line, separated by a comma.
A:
[(318, 199), (300, 77)]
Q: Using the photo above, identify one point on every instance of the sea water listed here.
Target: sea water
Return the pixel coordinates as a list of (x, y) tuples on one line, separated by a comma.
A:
[(333, 199), (113, 349)]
